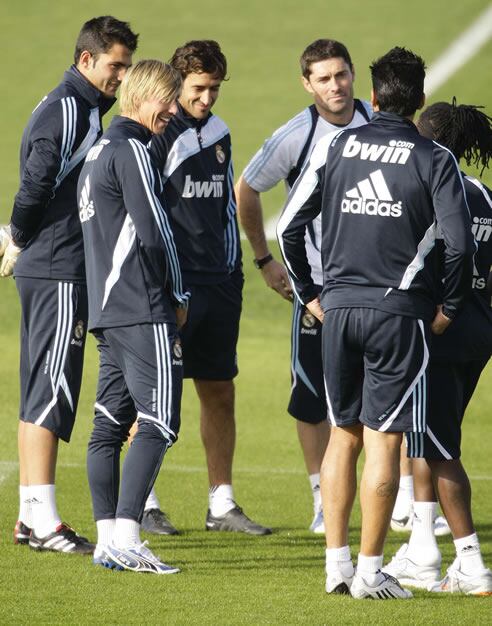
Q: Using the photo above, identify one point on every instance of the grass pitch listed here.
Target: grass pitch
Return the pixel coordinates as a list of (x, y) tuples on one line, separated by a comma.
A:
[(225, 579)]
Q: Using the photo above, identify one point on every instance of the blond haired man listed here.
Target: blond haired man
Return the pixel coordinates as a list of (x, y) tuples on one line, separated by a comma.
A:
[(136, 305)]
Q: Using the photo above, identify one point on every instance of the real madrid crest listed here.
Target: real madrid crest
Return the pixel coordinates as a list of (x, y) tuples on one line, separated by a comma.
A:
[(219, 153), (308, 320), (177, 349), (79, 330)]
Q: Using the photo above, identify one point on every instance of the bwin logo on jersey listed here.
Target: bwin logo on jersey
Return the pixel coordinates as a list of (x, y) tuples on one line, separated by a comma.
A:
[(397, 151), (202, 189), (86, 205), (478, 282), (482, 228), (371, 196)]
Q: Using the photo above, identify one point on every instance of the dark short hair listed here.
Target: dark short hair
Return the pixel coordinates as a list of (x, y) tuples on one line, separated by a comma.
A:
[(202, 56), (99, 34), (320, 50), (398, 81), (462, 128)]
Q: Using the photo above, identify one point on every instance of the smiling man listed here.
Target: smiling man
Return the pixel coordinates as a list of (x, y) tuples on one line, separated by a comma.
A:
[(328, 75), (194, 157), (136, 303), (47, 251)]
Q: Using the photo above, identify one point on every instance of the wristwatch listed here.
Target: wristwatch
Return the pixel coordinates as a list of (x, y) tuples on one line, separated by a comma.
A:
[(259, 263)]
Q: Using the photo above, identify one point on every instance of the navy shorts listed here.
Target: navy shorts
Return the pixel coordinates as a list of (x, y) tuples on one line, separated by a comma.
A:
[(451, 386), (210, 335), (307, 399), (140, 376), (53, 332), (375, 367)]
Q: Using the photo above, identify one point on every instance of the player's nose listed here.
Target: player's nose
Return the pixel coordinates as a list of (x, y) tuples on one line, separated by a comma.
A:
[(206, 98)]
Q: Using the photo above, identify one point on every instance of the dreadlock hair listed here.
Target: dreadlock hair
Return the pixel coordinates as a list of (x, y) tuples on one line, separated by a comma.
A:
[(463, 129)]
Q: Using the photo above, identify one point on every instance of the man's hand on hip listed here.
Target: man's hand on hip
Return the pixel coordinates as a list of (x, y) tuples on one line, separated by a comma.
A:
[(440, 322), (314, 307), (181, 316)]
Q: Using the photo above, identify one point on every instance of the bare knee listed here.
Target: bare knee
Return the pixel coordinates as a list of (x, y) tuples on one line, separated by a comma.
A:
[(216, 397), (344, 446)]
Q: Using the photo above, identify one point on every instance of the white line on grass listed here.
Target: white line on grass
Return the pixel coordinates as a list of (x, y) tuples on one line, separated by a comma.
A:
[(460, 51), (457, 54), (197, 469)]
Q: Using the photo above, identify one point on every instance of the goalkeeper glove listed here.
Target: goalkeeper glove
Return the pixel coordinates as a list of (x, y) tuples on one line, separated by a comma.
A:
[(5, 238), (9, 258)]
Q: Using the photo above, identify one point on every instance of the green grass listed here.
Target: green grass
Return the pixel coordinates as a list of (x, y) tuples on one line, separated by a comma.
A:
[(225, 579)]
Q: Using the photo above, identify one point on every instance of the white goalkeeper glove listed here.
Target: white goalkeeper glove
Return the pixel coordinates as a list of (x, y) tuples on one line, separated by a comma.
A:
[(5, 238), (9, 258)]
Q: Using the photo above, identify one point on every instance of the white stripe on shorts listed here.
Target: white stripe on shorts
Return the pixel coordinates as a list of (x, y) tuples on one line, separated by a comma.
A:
[(419, 397), (61, 343), (438, 445)]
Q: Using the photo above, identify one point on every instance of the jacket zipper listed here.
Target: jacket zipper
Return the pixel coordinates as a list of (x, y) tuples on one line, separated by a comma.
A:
[(199, 137)]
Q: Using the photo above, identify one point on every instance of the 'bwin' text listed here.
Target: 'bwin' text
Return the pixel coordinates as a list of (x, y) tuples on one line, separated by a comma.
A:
[(202, 189), (397, 151)]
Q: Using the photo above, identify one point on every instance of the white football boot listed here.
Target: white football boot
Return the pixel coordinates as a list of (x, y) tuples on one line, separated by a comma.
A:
[(455, 581), (388, 589), (409, 573)]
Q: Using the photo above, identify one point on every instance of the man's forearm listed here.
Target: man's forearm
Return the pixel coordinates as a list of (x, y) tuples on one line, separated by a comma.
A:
[(251, 217)]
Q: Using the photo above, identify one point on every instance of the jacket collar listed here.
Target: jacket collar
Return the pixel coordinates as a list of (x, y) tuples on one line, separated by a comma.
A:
[(393, 119), (139, 131), (188, 120), (87, 91)]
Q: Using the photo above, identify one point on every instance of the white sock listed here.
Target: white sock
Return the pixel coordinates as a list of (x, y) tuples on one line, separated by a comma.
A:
[(422, 546), (126, 533), (25, 512), (45, 518), (105, 531), (369, 567), (220, 500), (339, 559), (152, 501), (404, 498), (469, 554), (314, 480)]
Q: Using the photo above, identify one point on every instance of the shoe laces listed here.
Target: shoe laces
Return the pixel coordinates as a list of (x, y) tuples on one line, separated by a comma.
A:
[(142, 549), (402, 550)]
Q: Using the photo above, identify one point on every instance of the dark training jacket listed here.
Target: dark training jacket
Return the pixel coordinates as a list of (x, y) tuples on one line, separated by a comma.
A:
[(469, 337), (133, 273), (194, 159), (61, 131), (384, 193)]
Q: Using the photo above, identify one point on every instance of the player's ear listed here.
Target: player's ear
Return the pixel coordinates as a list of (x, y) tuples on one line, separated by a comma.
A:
[(306, 84), (85, 59), (374, 101), (422, 102), (352, 69)]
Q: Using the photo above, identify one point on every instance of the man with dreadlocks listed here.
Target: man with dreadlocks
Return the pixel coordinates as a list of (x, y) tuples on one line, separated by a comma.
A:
[(458, 357)]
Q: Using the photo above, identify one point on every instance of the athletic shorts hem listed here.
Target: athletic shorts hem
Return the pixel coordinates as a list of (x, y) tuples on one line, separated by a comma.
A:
[(208, 376), (63, 435), (305, 419)]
